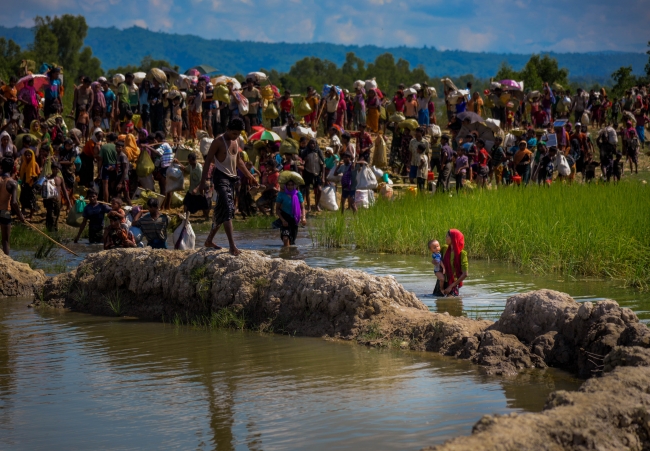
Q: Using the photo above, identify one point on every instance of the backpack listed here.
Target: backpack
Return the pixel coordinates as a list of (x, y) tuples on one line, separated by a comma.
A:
[(346, 180), (48, 189)]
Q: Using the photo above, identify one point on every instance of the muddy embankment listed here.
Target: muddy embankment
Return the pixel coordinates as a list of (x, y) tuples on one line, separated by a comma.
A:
[(537, 329)]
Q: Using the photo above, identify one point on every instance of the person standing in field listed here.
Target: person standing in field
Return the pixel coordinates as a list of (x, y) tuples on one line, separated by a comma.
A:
[(8, 201), (415, 156), (446, 164), (224, 153)]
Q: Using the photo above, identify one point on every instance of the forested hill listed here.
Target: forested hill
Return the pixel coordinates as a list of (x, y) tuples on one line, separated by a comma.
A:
[(116, 47)]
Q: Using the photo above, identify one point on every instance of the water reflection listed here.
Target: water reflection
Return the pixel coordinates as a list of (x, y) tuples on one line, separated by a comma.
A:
[(101, 383)]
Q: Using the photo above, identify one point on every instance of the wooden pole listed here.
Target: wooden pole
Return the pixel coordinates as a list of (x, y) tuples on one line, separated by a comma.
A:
[(50, 238)]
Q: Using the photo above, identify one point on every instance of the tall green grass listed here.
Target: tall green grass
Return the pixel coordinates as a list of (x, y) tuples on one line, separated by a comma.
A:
[(587, 230)]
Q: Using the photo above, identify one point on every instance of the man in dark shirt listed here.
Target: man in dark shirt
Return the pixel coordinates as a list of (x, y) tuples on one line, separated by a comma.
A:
[(94, 213)]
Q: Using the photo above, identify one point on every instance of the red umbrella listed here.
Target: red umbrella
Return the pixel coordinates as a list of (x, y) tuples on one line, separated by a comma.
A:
[(258, 128), (39, 81)]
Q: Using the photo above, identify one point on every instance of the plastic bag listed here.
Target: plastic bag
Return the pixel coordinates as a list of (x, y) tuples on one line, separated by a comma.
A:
[(158, 75), (48, 189), (271, 112), (221, 93), (364, 198), (146, 182), (328, 199), (266, 92), (118, 78), (563, 167), (285, 176), (359, 84), (303, 108), (434, 130), (204, 146), (137, 234), (184, 237), (75, 218), (242, 104), (177, 199), (333, 177), (379, 153), (366, 180), (397, 117), (411, 124), (378, 172), (79, 205), (289, 146), (371, 84), (390, 109), (584, 120), (145, 166), (175, 179)]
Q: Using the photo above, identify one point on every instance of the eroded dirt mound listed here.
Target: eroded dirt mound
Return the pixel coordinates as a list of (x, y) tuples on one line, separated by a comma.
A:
[(567, 334), (18, 279), (288, 296), (606, 413)]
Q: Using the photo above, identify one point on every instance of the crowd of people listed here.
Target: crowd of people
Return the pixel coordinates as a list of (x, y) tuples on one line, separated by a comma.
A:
[(128, 134)]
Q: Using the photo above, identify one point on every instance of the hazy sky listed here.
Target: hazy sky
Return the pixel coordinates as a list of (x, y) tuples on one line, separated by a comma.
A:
[(520, 26)]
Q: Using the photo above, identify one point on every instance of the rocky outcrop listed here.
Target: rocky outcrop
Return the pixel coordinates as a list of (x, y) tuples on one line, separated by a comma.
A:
[(569, 335), (607, 413), (18, 279), (537, 329)]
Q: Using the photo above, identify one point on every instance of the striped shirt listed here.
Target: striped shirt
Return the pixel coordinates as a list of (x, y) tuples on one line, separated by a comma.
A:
[(151, 228)]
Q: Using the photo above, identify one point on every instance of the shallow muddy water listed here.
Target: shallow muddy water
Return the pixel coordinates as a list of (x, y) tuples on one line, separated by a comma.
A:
[(74, 381), (484, 294)]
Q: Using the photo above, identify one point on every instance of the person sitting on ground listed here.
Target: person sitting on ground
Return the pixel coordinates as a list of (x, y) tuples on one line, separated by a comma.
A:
[(153, 225), (94, 213), (436, 261), (117, 234)]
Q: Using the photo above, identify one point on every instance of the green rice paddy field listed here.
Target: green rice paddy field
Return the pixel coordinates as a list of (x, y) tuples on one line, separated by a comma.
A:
[(600, 230)]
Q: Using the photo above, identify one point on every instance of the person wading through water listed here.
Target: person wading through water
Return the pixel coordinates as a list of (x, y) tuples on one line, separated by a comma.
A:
[(224, 153)]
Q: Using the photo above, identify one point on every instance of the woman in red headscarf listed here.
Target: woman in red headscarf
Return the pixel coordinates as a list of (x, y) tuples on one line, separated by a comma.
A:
[(454, 260)]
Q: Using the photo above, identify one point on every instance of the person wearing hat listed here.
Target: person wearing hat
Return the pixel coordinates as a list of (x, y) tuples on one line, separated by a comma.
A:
[(53, 90), (52, 195)]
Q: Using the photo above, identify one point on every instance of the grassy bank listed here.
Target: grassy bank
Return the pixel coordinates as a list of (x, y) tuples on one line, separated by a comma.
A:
[(595, 230)]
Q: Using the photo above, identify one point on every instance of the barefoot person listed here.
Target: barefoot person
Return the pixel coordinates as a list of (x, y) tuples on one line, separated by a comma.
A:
[(224, 153), (8, 201)]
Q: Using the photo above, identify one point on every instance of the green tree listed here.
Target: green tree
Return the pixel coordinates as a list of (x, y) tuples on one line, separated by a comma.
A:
[(10, 57), (90, 65), (538, 69), (623, 80)]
